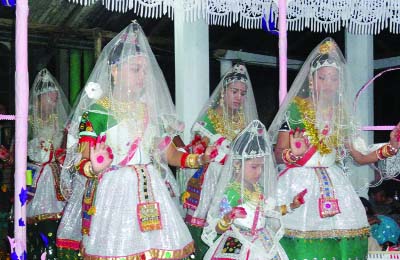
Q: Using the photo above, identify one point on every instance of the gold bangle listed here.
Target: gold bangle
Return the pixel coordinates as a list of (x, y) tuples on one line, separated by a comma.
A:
[(87, 169), (192, 161), (223, 227), (283, 210)]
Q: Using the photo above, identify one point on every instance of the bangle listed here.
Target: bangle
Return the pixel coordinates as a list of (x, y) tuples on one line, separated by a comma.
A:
[(88, 170), (200, 159), (223, 225), (386, 151), (191, 161), (379, 155), (283, 210), (183, 160), (289, 158), (80, 165)]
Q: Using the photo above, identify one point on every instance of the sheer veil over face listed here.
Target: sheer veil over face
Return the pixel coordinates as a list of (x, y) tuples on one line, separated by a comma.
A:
[(48, 109), (249, 171), (127, 88), (232, 104), (321, 94)]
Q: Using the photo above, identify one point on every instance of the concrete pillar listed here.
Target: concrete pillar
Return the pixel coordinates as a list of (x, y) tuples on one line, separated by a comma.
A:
[(191, 67), (360, 60)]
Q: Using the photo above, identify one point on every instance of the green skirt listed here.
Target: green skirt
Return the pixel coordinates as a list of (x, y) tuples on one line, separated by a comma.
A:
[(200, 247), (327, 248)]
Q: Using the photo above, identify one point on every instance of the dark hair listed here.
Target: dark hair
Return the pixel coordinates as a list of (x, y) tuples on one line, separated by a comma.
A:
[(370, 211), (117, 52), (237, 74)]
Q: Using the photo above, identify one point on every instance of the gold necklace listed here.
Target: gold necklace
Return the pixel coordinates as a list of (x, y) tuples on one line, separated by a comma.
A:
[(227, 128), (317, 139), (252, 197)]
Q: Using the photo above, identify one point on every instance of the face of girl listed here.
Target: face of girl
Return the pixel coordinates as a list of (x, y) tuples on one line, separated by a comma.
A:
[(130, 74), (235, 95), (326, 81), (253, 169), (48, 101)]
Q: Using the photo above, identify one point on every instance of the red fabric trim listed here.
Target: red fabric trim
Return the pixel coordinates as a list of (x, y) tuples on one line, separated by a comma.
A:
[(89, 139), (183, 160), (68, 244), (301, 162)]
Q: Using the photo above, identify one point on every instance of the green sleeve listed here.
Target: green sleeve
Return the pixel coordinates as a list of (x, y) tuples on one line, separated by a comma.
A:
[(208, 124), (294, 117), (233, 197), (94, 123)]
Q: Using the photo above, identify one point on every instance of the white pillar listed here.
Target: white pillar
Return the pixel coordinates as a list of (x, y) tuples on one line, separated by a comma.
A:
[(360, 58), (191, 67), (225, 65)]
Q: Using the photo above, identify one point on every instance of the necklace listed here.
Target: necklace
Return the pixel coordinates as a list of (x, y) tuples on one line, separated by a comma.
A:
[(317, 138), (227, 128)]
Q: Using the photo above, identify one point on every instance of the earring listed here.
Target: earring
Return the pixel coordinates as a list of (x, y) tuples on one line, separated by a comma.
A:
[(221, 99), (236, 167)]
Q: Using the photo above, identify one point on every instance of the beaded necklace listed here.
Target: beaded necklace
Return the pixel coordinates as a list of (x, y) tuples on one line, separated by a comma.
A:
[(317, 139), (224, 127), (252, 197)]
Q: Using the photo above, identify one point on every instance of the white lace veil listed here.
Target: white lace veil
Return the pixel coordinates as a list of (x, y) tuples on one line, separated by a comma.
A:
[(251, 146), (321, 93), (127, 86), (235, 116), (48, 113)]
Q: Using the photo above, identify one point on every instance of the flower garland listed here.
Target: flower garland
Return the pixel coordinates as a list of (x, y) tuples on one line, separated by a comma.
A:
[(227, 128), (321, 141)]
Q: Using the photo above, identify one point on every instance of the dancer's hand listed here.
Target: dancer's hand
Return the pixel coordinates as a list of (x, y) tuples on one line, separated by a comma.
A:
[(298, 200), (298, 142), (395, 137), (101, 155), (237, 212)]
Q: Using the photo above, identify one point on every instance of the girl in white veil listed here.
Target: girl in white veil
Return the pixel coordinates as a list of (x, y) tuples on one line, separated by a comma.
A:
[(243, 209), (230, 108), (314, 131), (48, 113), (122, 127)]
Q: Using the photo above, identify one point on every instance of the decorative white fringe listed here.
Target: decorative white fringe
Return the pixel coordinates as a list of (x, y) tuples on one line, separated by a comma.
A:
[(357, 16)]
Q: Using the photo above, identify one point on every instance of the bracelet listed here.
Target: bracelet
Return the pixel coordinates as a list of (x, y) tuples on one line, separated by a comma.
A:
[(223, 225), (289, 158), (88, 170), (379, 155), (200, 159), (283, 210), (183, 160), (191, 161), (386, 151), (80, 165)]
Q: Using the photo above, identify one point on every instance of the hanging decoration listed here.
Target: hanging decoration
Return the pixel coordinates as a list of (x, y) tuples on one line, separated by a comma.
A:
[(357, 16)]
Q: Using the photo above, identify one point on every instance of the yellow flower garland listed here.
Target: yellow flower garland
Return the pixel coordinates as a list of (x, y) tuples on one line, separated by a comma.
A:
[(226, 128), (317, 139)]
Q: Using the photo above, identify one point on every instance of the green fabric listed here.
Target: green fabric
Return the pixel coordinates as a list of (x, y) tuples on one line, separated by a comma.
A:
[(330, 248), (99, 121), (68, 254), (88, 62), (200, 247), (232, 196), (295, 116), (36, 245), (208, 124), (75, 75)]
